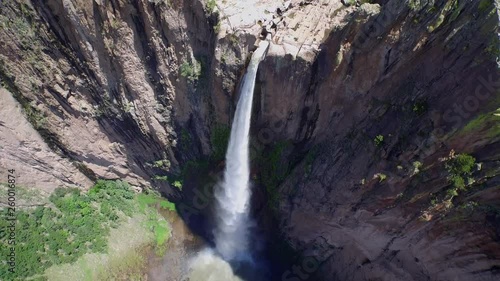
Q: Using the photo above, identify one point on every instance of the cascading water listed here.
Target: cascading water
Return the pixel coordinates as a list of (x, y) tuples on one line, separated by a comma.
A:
[(233, 195)]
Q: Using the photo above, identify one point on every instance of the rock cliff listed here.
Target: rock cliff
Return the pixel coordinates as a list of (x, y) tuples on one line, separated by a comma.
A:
[(365, 111)]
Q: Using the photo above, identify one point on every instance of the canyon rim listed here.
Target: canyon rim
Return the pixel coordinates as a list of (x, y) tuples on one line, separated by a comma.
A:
[(374, 138)]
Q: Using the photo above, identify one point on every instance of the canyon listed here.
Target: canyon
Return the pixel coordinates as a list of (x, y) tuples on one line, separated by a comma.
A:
[(361, 110)]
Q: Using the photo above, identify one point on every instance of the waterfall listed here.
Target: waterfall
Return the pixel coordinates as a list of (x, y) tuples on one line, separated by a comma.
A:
[(233, 195)]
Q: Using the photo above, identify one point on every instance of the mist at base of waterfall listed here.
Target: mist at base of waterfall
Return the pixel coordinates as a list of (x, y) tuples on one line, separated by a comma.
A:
[(209, 266)]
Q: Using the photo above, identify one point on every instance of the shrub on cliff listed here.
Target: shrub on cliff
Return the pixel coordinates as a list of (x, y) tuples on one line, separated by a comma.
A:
[(191, 71), (459, 168)]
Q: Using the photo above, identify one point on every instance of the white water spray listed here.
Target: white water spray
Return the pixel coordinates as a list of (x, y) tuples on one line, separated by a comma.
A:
[(233, 196)]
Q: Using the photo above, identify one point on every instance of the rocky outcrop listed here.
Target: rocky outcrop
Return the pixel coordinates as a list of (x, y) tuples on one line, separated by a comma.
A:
[(358, 107)]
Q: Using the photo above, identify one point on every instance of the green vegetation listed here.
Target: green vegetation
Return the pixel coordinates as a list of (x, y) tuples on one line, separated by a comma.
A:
[(23, 30), (217, 27), (379, 140), (420, 107), (184, 140), (489, 121), (381, 177), (29, 196), (162, 233), (178, 184), (160, 178), (220, 140), (434, 202), (211, 5), (452, 192), (157, 2), (224, 58), (484, 5), (104, 108), (492, 48), (274, 171), (234, 39), (153, 199), (416, 167), (436, 24), (451, 5), (464, 211), (77, 223), (415, 4), (127, 107), (74, 223), (459, 170), (34, 116), (125, 260), (162, 164), (148, 203), (191, 71)]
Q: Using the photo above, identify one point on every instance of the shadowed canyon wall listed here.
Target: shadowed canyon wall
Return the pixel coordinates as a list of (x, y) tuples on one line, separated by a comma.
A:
[(360, 112)]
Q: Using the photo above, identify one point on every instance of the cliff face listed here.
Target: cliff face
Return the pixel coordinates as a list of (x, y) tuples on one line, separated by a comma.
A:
[(112, 84), (390, 93), (358, 108)]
